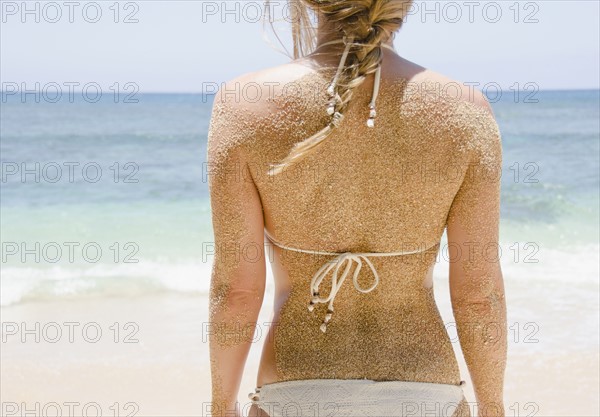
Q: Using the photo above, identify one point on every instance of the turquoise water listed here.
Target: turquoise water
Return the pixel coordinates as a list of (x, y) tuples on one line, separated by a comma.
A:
[(148, 212)]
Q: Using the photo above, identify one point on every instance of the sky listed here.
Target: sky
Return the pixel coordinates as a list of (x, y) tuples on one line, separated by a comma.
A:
[(183, 46)]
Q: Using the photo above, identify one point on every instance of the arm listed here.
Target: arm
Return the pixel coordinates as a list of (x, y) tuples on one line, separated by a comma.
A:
[(476, 283), (238, 273)]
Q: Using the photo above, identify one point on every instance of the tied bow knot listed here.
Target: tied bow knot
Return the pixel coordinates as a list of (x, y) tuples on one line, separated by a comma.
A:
[(337, 280)]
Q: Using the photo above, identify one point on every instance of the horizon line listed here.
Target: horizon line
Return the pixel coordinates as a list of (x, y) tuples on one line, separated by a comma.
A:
[(212, 93)]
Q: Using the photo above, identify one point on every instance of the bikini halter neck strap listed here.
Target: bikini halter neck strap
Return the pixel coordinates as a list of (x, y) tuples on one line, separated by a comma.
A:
[(335, 99)]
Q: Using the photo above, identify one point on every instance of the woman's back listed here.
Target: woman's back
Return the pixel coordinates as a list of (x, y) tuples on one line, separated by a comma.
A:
[(384, 189)]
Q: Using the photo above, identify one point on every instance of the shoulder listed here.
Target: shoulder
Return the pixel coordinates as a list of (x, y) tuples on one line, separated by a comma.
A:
[(472, 116), (254, 91), (455, 109), (266, 99), (453, 100), (243, 108), (447, 90), (426, 88)]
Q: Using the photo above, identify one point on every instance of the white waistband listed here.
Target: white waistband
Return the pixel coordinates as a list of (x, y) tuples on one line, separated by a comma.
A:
[(357, 397)]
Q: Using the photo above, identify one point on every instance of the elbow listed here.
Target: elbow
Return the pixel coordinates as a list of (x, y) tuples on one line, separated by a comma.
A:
[(226, 297), (233, 315), (235, 282), (247, 297), (488, 306), (479, 292)]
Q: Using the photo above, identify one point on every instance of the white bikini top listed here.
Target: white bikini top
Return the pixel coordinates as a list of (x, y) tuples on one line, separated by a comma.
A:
[(346, 257), (337, 280)]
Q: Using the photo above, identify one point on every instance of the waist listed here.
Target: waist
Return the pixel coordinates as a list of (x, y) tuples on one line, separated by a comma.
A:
[(358, 397)]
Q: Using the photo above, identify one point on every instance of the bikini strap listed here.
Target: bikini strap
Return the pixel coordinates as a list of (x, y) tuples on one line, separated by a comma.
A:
[(316, 252), (332, 89), (337, 279)]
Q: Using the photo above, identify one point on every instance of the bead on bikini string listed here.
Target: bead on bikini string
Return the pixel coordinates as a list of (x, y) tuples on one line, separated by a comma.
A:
[(313, 301), (372, 111), (337, 119), (328, 315), (327, 319), (254, 396), (372, 115), (334, 97)]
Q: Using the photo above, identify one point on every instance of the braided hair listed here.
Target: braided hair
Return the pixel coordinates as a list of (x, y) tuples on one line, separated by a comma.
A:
[(364, 25)]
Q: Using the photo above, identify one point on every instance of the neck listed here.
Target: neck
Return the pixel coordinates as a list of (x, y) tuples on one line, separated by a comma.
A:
[(326, 34)]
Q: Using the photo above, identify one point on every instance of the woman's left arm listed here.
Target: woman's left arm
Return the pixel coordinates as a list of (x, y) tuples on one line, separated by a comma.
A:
[(239, 271)]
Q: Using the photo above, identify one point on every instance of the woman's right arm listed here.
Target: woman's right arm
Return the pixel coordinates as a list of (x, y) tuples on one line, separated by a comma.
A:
[(476, 283)]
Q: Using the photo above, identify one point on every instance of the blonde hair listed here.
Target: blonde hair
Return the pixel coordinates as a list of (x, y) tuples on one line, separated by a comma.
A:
[(364, 25)]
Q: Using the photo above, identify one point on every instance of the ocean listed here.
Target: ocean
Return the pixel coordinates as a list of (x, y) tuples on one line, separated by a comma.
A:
[(105, 198)]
